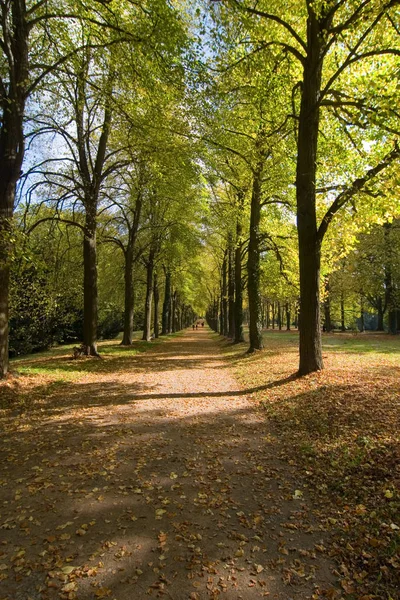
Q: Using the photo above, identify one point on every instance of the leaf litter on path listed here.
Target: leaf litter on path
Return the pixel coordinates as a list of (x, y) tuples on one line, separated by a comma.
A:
[(159, 479)]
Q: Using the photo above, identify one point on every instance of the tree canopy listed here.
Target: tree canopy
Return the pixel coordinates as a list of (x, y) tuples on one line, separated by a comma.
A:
[(233, 160)]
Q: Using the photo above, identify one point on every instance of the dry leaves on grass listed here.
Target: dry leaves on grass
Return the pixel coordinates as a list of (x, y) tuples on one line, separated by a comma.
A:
[(340, 428)]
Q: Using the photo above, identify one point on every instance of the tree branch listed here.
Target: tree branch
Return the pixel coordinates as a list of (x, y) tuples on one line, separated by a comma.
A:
[(59, 219), (355, 187)]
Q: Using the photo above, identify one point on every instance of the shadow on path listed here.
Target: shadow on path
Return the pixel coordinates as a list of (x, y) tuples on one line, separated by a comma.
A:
[(138, 483)]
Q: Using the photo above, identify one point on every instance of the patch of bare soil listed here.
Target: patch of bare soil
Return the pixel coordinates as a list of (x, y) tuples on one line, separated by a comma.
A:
[(159, 479)]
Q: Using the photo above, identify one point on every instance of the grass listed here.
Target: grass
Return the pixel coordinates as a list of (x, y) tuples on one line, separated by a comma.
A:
[(340, 429), (39, 374)]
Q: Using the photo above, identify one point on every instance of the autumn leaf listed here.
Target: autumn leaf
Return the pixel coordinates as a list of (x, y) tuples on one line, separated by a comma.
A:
[(103, 592)]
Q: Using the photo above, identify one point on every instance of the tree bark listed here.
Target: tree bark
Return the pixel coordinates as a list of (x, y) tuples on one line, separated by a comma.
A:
[(91, 173), (221, 314), (390, 302), (362, 323), (166, 304), (224, 294), (15, 28), (253, 264), (6, 248), (287, 309), (173, 313), (381, 311), (231, 292), (149, 297), (239, 337), (309, 244), (327, 308), (170, 313), (156, 295), (90, 282), (342, 314), (127, 337), (268, 309), (133, 226)]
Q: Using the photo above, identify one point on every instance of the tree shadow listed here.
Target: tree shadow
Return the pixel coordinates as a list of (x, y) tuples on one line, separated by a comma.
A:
[(140, 502)]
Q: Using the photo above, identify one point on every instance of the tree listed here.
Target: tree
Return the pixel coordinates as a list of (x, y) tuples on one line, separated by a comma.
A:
[(91, 92), (326, 42), (45, 293)]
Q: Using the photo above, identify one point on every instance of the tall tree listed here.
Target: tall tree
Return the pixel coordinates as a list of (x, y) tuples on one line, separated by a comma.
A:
[(327, 41)]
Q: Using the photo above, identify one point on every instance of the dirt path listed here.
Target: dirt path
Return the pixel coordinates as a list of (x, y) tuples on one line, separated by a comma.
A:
[(157, 479)]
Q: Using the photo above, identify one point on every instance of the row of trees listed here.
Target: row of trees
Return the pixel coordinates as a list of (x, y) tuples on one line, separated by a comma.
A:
[(230, 151), (361, 292), (306, 104), (92, 90)]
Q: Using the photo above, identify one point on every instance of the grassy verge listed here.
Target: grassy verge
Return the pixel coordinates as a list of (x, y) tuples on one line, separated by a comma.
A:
[(341, 430), (38, 375)]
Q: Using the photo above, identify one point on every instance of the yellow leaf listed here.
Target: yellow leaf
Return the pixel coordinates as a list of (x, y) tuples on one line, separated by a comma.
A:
[(70, 587), (65, 525), (68, 570)]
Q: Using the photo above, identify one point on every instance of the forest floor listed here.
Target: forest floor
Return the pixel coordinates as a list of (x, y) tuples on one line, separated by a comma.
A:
[(193, 471)]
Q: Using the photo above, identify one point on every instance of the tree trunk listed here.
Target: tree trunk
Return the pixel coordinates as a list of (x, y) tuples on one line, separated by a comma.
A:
[(327, 308), (279, 316), (127, 337), (90, 282), (362, 323), (173, 311), (390, 302), (273, 314), (268, 309), (221, 314), (253, 265), (156, 302), (214, 315), (149, 298), (166, 304), (239, 337), (287, 309), (342, 313), (91, 176), (129, 261), (225, 294), (231, 292), (296, 315), (12, 146), (381, 312), (309, 244), (170, 314), (6, 248)]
